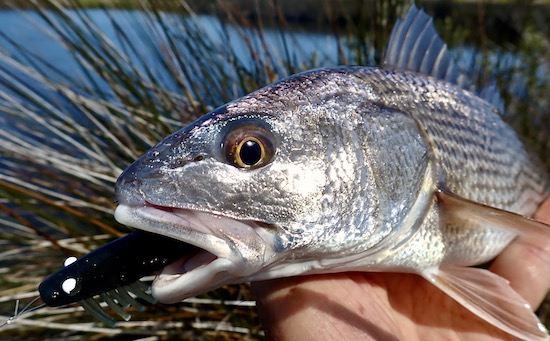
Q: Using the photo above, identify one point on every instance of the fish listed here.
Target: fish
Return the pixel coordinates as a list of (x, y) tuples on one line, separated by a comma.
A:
[(404, 167)]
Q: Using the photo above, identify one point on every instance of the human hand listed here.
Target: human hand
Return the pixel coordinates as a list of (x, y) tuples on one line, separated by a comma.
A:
[(390, 306)]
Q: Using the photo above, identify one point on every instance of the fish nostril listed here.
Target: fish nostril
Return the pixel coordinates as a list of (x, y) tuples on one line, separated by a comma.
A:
[(180, 162)]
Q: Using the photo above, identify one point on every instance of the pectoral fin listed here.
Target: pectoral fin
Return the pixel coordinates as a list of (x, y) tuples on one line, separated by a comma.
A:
[(491, 298), (462, 210)]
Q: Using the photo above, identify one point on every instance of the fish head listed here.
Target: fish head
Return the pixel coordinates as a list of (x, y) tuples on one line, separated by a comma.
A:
[(266, 186)]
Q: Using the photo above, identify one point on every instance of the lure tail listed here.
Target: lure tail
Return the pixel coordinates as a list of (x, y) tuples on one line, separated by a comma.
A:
[(118, 299)]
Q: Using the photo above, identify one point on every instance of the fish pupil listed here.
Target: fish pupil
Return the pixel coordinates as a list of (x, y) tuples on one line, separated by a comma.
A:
[(250, 152)]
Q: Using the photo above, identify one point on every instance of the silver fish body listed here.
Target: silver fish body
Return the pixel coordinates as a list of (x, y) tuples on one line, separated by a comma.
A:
[(357, 148), (343, 169)]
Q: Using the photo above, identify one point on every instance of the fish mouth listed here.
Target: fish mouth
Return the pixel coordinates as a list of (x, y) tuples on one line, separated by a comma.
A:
[(226, 250)]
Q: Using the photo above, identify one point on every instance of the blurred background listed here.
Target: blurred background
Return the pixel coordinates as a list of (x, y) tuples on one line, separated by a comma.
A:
[(88, 86)]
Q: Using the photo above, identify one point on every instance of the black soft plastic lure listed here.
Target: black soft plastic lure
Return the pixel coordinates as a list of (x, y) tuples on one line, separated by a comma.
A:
[(112, 272)]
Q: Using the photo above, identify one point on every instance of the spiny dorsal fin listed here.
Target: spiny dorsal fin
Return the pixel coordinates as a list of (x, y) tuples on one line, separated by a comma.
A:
[(414, 45)]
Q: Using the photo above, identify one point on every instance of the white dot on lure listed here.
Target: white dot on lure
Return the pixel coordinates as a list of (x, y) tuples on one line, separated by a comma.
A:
[(68, 285), (69, 261)]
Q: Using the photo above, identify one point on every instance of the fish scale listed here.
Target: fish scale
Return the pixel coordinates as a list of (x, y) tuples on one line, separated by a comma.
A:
[(349, 169), (454, 134)]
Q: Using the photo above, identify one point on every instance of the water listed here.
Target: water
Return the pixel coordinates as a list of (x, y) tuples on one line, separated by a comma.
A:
[(172, 53), (123, 28), (27, 29)]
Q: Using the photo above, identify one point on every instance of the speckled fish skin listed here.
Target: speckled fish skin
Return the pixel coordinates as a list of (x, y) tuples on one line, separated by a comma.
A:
[(374, 169), (355, 146)]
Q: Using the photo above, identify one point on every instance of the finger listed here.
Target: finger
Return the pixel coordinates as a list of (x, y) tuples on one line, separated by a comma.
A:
[(526, 263), (543, 213), (323, 307)]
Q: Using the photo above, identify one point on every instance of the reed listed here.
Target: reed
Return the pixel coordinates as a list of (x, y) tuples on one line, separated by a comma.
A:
[(66, 136)]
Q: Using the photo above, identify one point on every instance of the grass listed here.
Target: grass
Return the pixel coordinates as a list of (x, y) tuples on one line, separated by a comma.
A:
[(64, 139)]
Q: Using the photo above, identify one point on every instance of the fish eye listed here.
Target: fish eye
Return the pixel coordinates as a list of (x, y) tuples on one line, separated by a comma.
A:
[(249, 147)]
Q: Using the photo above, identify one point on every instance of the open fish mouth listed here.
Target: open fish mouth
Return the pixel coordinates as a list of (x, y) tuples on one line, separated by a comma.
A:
[(226, 250), (197, 252)]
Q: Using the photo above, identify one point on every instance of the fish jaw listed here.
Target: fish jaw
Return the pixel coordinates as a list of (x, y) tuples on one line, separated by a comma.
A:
[(233, 250)]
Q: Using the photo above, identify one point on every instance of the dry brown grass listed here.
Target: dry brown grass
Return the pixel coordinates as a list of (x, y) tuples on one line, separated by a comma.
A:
[(64, 142)]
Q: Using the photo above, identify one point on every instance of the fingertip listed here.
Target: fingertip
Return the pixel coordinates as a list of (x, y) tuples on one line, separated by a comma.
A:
[(526, 263), (543, 213)]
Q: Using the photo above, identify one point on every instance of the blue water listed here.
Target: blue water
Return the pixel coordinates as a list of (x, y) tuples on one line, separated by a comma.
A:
[(28, 30)]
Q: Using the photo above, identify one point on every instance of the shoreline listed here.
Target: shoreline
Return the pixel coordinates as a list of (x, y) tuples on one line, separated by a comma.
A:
[(500, 19)]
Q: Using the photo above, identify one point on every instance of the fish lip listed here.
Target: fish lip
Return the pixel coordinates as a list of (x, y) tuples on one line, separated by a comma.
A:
[(233, 249)]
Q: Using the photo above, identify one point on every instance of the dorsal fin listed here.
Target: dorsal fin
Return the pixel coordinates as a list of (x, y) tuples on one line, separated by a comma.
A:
[(414, 45)]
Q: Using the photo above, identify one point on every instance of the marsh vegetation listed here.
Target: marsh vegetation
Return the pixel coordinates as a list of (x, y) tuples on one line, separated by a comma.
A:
[(84, 92)]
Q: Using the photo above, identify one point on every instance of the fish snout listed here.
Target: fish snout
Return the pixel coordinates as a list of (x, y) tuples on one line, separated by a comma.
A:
[(127, 188), (129, 185)]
